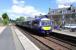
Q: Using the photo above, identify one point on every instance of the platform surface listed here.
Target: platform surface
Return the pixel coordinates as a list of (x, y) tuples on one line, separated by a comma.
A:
[(7, 40), (11, 38), (26, 42), (65, 32)]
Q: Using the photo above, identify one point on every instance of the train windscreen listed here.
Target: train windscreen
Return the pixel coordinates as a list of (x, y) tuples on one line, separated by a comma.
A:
[(45, 23)]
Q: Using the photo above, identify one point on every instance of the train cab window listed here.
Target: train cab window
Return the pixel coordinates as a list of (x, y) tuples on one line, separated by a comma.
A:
[(45, 23)]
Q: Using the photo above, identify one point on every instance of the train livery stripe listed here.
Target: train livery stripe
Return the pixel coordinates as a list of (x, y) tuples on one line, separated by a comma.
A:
[(46, 28)]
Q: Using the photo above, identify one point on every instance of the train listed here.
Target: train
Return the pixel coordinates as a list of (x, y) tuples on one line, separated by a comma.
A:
[(42, 25)]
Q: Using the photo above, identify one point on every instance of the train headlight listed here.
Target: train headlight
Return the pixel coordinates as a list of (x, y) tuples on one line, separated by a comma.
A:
[(46, 28)]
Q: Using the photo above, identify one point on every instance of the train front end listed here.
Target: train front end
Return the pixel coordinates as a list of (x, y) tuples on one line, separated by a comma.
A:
[(45, 24)]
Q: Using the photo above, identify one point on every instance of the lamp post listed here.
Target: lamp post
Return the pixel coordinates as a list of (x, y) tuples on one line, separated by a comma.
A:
[(63, 19)]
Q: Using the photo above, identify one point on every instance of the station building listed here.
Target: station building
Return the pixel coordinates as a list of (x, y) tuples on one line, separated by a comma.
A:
[(63, 16)]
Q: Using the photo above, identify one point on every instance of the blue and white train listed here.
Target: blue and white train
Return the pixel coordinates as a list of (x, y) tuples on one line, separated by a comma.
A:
[(42, 25)]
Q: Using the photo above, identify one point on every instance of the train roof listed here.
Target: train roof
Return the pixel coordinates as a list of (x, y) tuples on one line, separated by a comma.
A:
[(45, 19)]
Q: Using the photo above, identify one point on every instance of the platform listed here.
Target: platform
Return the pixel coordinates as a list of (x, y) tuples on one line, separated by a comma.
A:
[(12, 39), (65, 32), (27, 44), (7, 40)]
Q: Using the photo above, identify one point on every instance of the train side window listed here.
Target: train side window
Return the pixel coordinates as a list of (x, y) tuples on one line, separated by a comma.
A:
[(35, 23)]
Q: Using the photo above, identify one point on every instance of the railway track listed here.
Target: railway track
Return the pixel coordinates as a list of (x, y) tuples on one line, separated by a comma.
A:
[(52, 42)]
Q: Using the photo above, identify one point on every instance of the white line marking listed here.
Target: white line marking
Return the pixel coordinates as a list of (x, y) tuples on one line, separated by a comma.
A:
[(28, 45), (2, 28)]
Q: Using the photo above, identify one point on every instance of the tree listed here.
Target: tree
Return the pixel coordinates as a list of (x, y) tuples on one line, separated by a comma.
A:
[(0, 20), (21, 19), (5, 18)]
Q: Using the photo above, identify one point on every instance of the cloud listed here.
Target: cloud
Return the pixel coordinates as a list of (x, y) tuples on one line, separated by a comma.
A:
[(15, 1), (29, 10), (65, 3), (19, 7), (18, 2), (63, 6)]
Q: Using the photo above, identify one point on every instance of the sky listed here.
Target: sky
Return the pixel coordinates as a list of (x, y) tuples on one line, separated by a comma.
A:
[(17, 8)]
